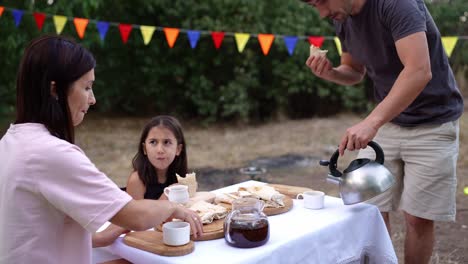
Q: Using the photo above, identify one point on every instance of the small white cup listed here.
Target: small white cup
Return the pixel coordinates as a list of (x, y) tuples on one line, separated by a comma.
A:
[(176, 233), (177, 193), (312, 199)]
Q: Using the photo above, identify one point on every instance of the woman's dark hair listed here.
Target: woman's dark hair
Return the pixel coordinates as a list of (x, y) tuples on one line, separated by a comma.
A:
[(50, 59), (143, 166)]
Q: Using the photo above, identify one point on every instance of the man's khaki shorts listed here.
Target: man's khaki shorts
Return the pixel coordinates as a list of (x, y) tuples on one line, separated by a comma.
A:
[(423, 160)]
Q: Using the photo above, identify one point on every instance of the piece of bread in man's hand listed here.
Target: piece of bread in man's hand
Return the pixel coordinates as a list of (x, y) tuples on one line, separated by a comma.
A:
[(316, 51)]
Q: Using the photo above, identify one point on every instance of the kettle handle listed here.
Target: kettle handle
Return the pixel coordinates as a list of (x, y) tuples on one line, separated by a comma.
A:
[(332, 164), (379, 155)]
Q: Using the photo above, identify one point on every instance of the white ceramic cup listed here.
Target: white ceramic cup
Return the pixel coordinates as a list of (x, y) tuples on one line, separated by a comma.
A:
[(176, 233), (177, 193), (312, 199)]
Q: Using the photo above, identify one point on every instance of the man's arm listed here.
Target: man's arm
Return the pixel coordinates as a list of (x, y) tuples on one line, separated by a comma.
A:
[(413, 52)]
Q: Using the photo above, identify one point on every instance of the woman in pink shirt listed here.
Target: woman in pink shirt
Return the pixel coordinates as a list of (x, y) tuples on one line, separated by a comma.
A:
[(52, 197)]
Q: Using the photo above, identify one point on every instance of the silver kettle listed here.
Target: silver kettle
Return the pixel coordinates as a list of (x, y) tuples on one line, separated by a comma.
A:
[(363, 179)]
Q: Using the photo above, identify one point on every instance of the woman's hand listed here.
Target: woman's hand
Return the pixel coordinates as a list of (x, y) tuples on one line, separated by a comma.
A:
[(190, 217), (108, 235)]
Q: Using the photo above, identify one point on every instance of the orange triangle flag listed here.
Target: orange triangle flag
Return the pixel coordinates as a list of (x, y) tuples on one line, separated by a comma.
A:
[(316, 41), (265, 42), (1, 10), (171, 35), (80, 26)]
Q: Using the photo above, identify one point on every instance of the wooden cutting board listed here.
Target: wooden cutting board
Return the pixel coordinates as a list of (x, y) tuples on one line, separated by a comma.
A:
[(152, 241), (289, 190), (211, 231)]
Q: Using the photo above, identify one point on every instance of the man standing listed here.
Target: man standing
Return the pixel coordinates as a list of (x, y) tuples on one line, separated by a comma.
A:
[(398, 45)]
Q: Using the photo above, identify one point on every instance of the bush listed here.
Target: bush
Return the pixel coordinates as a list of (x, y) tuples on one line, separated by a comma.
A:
[(202, 83)]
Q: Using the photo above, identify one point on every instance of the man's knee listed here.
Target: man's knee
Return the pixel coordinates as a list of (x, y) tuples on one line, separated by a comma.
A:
[(418, 225)]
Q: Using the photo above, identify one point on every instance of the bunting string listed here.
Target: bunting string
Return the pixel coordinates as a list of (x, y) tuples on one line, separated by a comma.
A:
[(241, 38)]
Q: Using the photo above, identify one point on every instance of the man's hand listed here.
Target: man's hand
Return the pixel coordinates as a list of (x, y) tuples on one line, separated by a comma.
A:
[(357, 136), (320, 66)]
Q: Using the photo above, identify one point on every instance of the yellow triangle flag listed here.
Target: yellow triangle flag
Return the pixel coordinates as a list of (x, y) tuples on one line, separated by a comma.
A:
[(171, 35), (449, 44), (147, 33), (241, 40), (80, 26), (338, 44), (265, 42), (59, 22)]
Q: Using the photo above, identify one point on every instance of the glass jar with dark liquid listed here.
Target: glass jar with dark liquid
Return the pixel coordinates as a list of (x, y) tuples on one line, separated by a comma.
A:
[(246, 226)]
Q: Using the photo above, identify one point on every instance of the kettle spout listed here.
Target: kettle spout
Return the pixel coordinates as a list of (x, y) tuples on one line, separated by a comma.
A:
[(334, 179)]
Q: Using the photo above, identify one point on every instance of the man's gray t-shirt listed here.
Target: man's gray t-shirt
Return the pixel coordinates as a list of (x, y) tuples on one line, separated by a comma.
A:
[(370, 38)]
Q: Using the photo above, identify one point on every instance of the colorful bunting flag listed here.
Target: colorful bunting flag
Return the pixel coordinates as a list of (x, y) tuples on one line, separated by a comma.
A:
[(265, 42), (17, 15), (80, 26), (241, 40), (193, 37), (125, 30), (449, 44), (338, 44), (171, 35), (59, 22), (102, 27), (40, 18), (217, 37), (316, 41), (290, 43), (147, 33)]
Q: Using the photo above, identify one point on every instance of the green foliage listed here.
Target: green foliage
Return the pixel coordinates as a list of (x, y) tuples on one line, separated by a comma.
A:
[(202, 83), (451, 17)]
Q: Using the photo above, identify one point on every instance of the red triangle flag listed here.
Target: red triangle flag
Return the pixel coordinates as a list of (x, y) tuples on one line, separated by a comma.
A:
[(1, 10), (40, 18), (125, 30), (217, 38), (316, 41)]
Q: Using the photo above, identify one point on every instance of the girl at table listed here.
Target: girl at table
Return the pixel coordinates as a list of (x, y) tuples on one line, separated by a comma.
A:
[(161, 155), (52, 197)]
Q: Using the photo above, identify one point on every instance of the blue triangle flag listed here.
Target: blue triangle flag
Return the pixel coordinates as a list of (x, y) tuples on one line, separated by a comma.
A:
[(102, 28), (193, 36), (17, 14), (290, 44)]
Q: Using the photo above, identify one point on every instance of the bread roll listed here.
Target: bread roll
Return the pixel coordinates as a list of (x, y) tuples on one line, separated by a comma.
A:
[(316, 51), (191, 181)]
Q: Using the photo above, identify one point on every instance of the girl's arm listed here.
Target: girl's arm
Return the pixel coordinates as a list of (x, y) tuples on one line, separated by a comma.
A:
[(135, 186)]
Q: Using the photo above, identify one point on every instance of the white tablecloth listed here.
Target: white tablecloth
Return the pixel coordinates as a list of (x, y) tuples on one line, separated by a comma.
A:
[(335, 234)]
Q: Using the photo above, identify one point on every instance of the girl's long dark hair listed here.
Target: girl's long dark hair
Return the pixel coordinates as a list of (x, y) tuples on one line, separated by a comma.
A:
[(50, 59), (141, 164)]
